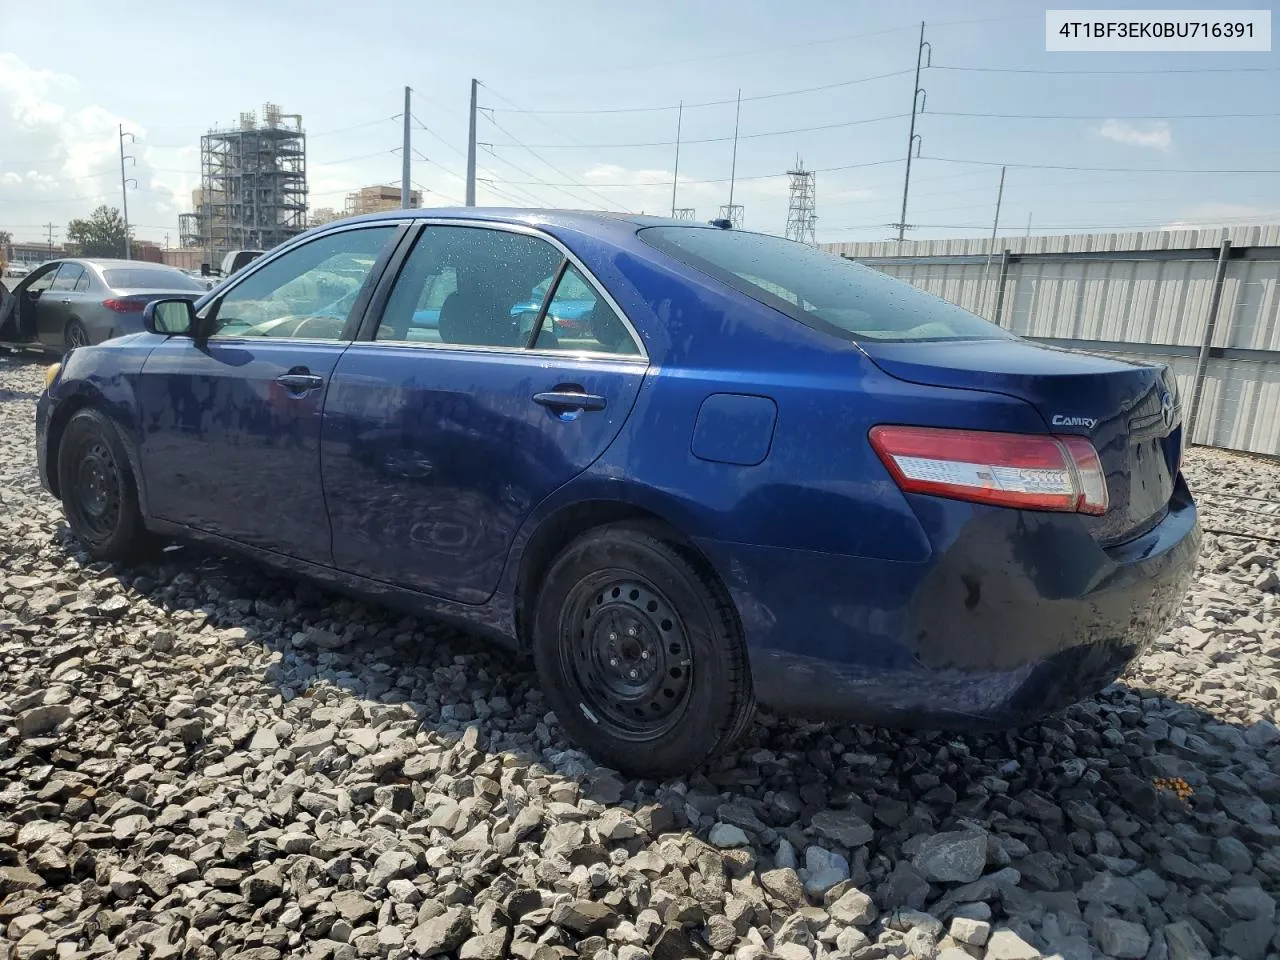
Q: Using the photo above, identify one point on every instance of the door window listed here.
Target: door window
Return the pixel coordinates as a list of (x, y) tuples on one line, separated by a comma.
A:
[(42, 282), (579, 319), (469, 285), (308, 293), (83, 283), (68, 275)]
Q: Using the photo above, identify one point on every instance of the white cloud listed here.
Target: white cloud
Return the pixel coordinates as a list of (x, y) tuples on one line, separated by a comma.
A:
[(1153, 136), (61, 158), (1223, 214)]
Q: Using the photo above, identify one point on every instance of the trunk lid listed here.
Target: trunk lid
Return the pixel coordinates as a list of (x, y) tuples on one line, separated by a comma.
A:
[(1128, 410)]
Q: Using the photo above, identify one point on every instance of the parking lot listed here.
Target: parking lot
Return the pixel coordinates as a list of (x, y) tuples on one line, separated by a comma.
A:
[(198, 759)]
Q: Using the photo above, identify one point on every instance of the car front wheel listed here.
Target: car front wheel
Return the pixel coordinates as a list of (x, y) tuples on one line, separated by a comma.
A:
[(640, 653), (97, 488)]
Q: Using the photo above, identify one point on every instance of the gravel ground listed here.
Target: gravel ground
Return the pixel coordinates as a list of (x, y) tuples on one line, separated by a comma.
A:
[(201, 760)]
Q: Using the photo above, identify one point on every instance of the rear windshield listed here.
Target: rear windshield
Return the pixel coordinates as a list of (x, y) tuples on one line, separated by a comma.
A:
[(125, 278), (819, 289)]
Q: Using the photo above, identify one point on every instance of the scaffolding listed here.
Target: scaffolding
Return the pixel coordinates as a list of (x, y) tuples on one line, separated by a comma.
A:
[(802, 211), (685, 213), (253, 184)]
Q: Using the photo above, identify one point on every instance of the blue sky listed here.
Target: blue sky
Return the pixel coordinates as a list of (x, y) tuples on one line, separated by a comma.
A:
[(169, 71)]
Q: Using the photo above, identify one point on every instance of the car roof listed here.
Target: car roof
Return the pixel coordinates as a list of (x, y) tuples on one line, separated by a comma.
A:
[(532, 216), (109, 262)]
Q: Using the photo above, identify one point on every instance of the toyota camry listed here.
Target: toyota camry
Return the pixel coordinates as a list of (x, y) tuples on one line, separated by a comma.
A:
[(751, 472)]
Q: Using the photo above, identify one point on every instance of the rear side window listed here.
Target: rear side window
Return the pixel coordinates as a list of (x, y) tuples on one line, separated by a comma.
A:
[(471, 286), (122, 278), (820, 290), (68, 274)]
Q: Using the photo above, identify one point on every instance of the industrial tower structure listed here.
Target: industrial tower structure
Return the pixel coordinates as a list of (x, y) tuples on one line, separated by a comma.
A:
[(733, 212), (253, 185), (802, 211)]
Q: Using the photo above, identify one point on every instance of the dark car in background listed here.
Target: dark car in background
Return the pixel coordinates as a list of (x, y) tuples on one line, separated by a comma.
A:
[(77, 302), (761, 473)]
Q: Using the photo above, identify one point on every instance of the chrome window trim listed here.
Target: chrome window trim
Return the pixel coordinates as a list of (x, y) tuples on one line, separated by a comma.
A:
[(541, 352), (531, 231)]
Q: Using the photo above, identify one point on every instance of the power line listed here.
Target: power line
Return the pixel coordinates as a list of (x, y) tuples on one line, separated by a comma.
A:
[(761, 176), (1057, 166), (1087, 225), (740, 54), (546, 162), (711, 103), (1106, 116), (363, 156), (535, 181), (745, 136), (354, 126), (1110, 72), (432, 133)]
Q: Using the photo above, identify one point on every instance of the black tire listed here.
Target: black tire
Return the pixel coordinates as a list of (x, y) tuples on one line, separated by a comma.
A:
[(99, 495), (76, 335), (658, 701)]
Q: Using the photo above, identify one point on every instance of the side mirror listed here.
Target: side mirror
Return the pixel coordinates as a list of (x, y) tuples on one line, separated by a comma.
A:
[(206, 270), (170, 318)]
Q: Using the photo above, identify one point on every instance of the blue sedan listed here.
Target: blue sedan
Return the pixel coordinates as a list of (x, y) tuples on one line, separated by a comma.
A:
[(752, 473)]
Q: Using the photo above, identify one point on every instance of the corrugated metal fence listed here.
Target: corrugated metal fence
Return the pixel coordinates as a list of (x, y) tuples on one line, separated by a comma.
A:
[(1146, 296)]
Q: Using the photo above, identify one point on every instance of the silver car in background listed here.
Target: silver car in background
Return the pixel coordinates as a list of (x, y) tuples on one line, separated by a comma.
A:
[(75, 302)]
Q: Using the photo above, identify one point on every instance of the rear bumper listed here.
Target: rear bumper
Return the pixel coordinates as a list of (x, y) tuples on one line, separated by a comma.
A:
[(1017, 615)]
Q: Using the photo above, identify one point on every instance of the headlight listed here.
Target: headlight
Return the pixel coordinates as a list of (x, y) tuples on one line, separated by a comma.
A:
[(51, 374)]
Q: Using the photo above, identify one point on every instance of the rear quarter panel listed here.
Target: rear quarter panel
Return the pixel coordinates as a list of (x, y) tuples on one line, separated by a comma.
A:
[(821, 486)]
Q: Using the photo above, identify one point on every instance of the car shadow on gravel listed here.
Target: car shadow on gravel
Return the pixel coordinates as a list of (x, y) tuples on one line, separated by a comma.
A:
[(1165, 802)]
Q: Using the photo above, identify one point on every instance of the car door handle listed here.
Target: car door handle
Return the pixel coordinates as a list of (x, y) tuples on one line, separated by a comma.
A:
[(569, 400), (64, 301), (300, 382)]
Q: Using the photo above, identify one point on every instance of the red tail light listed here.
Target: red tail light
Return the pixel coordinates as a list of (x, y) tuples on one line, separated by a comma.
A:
[(1025, 471), (124, 306)]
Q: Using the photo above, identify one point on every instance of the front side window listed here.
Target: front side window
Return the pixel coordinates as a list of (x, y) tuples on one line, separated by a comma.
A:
[(820, 290), (68, 275), (308, 293), (471, 286), (42, 282)]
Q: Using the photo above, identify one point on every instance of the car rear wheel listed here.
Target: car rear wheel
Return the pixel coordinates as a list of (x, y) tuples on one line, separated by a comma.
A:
[(640, 653), (76, 335), (97, 488)]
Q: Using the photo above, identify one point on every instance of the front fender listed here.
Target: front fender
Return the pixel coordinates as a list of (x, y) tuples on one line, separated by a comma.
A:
[(105, 378)]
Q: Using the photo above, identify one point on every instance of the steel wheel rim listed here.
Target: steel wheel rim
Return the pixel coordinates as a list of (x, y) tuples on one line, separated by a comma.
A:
[(96, 497), (627, 655)]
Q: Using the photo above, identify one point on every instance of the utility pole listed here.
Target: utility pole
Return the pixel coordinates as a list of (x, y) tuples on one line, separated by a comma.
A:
[(999, 198), (675, 176), (471, 148), (1028, 224), (404, 160), (995, 225), (50, 227), (124, 188), (917, 106), (733, 168)]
